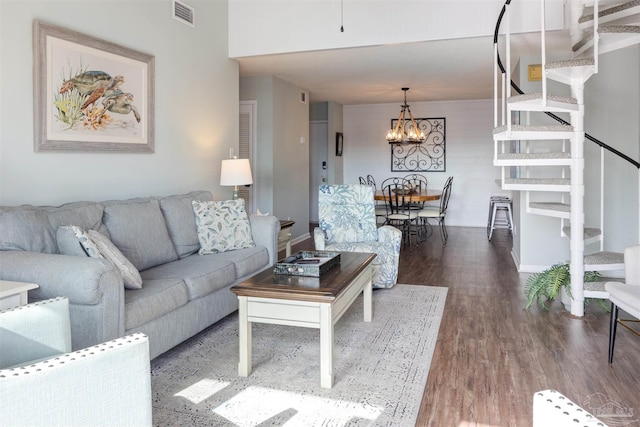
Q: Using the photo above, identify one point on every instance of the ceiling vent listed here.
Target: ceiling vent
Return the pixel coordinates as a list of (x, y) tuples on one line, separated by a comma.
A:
[(183, 13)]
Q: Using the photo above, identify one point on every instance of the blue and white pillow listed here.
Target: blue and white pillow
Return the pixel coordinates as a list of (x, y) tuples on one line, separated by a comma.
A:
[(222, 226)]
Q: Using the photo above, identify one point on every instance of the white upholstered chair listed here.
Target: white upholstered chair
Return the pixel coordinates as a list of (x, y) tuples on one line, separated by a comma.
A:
[(43, 383), (625, 296), (552, 409)]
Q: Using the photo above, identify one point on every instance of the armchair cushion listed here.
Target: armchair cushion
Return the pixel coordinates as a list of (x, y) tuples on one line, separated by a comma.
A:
[(347, 213)]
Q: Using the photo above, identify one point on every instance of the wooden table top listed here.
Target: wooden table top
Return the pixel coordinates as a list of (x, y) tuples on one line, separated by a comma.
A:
[(304, 288), (421, 196)]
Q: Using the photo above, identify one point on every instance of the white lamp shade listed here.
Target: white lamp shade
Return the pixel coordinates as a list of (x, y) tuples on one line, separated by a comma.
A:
[(235, 172)]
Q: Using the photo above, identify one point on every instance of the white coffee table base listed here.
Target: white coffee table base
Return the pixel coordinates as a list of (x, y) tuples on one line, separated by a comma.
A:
[(13, 294), (306, 314)]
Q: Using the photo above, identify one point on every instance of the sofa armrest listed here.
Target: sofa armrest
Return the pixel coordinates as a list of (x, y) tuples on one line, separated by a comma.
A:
[(105, 385), (318, 239), (264, 230), (94, 288), (390, 234)]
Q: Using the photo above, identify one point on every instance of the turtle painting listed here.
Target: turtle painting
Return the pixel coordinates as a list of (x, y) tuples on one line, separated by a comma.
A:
[(121, 103), (80, 96), (85, 82), (94, 84)]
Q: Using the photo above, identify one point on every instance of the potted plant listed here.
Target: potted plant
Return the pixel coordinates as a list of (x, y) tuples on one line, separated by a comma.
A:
[(548, 284)]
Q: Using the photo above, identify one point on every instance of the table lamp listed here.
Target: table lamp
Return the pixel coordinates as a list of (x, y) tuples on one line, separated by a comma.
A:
[(235, 172)]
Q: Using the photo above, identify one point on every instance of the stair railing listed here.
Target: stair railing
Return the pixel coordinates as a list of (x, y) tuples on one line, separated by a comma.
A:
[(500, 72)]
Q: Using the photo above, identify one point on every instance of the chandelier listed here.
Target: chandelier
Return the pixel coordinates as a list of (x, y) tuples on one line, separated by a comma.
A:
[(397, 134)]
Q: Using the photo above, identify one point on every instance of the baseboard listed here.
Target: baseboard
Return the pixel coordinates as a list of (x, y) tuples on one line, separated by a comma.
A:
[(300, 238)]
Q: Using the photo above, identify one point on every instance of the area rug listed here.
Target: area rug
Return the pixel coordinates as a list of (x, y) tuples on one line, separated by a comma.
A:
[(380, 369)]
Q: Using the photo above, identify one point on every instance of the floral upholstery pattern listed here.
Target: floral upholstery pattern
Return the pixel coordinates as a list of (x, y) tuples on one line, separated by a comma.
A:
[(348, 223), (222, 226)]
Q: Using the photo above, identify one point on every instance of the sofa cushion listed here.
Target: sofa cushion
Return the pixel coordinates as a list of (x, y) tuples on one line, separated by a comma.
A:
[(86, 215), (181, 221), (222, 226), (155, 299), (202, 274), (25, 228), (139, 231), (246, 261), (130, 275)]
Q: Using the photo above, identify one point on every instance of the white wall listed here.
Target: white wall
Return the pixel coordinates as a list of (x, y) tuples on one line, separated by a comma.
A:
[(612, 115), (196, 103), (277, 26), (469, 146), (282, 167)]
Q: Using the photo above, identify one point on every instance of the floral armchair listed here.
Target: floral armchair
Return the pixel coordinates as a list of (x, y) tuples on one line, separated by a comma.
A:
[(348, 223)]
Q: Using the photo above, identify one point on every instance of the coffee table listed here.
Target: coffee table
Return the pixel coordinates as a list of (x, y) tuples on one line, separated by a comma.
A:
[(308, 302)]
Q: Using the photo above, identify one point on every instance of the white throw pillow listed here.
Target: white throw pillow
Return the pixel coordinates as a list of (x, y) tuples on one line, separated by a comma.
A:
[(130, 275), (222, 226)]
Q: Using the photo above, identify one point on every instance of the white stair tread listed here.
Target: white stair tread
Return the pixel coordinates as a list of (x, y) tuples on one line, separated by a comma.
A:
[(622, 30), (524, 132), (570, 71), (588, 232), (595, 290), (603, 13), (538, 181), (552, 206), (543, 159), (528, 128), (534, 156), (535, 102), (614, 259)]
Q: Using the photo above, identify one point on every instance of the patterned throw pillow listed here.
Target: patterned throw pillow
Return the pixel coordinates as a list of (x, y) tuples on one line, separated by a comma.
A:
[(130, 275), (222, 226)]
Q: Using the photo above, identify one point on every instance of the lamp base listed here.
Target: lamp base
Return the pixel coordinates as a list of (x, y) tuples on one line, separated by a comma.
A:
[(235, 192)]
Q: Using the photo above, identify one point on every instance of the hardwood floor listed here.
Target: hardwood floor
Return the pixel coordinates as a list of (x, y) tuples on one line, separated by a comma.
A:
[(492, 355)]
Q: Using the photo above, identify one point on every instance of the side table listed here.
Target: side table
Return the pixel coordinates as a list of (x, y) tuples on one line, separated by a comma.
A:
[(13, 294), (284, 238)]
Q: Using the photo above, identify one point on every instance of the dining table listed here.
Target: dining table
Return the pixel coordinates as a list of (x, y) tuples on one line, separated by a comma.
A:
[(422, 195)]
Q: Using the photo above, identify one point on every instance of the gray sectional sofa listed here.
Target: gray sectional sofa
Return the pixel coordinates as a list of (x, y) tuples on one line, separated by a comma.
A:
[(182, 292)]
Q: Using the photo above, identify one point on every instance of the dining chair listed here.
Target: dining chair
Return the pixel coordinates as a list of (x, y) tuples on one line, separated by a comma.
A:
[(625, 295), (438, 212), (417, 182), (362, 180), (397, 198), (380, 209), (371, 181)]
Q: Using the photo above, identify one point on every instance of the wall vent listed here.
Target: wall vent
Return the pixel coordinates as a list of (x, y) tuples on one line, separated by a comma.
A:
[(183, 13)]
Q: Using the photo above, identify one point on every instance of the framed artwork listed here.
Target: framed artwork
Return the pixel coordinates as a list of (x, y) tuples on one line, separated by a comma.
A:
[(339, 143), (90, 94), (427, 156)]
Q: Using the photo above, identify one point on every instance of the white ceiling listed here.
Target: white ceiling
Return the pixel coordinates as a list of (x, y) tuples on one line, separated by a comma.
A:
[(459, 69)]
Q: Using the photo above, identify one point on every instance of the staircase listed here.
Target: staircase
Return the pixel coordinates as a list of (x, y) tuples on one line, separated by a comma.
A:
[(552, 179)]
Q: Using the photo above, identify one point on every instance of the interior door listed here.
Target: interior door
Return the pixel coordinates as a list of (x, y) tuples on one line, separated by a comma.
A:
[(318, 163)]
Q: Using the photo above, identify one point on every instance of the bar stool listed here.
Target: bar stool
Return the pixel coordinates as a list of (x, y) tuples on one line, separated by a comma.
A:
[(499, 204)]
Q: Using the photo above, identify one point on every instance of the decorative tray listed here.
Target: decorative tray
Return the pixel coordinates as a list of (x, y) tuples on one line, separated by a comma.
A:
[(307, 263)]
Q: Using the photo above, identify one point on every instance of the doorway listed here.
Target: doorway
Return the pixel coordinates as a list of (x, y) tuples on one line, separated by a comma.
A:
[(318, 163)]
